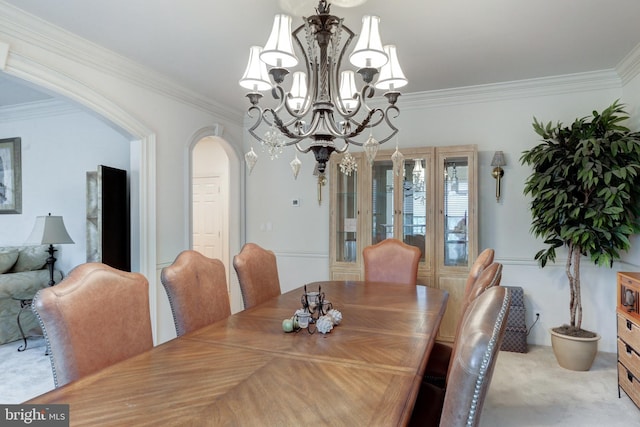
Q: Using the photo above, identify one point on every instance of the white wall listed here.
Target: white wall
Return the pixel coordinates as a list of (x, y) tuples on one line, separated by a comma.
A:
[(496, 117), (57, 152)]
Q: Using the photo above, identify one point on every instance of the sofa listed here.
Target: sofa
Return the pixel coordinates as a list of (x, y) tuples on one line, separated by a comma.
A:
[(23, 272)]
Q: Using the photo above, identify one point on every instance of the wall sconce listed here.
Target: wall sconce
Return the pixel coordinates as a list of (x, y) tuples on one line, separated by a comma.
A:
[(497, 172)]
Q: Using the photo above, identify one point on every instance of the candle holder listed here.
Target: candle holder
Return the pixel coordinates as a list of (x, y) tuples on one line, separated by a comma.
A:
[(315, 312)]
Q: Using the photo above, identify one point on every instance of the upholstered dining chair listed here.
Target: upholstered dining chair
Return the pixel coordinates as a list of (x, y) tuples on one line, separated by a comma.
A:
[(439, 361), (257, 271), (197, 289), (481, 335), (391, 260), (482, 261), (93, 318)]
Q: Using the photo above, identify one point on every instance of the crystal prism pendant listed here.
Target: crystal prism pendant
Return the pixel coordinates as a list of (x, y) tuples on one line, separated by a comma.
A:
[(371, 149), (250, 159), (295, 166), (398, 162), (348, 164)]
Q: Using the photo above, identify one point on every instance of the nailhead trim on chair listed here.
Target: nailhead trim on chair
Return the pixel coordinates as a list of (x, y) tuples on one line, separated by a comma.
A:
[(46, 339), (473, 411)]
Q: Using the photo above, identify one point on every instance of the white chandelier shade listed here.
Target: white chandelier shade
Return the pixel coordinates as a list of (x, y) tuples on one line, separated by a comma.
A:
[(298, 93), (369, 52), (278, 52), (348, 90), (391, 76), (324, 102), (256, 76)]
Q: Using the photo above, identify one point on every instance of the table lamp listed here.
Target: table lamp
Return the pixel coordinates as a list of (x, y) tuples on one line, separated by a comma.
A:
[(49, 230)]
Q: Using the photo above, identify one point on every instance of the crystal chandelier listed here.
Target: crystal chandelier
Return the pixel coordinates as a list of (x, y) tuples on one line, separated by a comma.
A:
[(323, 103)]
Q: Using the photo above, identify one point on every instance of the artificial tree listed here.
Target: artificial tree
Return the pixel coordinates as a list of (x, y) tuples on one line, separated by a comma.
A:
[(586, 195)]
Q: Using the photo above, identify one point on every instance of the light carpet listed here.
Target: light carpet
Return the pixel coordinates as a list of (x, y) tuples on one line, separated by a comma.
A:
[(527, 389)]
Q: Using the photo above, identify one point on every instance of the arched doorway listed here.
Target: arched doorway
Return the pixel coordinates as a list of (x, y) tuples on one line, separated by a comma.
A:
[(215, 183)]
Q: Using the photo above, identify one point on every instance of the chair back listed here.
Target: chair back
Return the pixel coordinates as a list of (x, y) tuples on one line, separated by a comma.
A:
[(473, 362), (482, 261), (257, 271), (95, 317), (197, 289), (391, 261)]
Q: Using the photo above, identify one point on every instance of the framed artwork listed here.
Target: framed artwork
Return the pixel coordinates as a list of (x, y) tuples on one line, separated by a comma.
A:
[(10, 176)]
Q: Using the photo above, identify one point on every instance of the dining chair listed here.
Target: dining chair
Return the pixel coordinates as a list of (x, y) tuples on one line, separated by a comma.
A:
[(197, 289), (482, 332), (439, 361), (391, 260), (257, 271), (93, 318), (482, 261)]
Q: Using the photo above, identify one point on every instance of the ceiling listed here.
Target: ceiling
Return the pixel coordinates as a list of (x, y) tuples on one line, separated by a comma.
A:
[(204, 44)]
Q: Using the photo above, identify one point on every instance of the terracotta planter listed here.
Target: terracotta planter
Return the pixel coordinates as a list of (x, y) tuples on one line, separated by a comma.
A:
[(576, 354)]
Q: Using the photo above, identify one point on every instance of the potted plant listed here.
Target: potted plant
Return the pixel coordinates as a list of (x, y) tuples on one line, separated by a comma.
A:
[(586, 198)]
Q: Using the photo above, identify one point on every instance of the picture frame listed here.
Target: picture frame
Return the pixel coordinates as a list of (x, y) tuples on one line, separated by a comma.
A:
[(10, 176)]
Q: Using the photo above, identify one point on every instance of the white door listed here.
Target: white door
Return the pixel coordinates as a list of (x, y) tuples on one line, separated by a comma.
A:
[(207, 216)]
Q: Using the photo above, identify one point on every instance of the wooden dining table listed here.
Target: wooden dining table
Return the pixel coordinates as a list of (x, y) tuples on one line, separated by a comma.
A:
[(245, 371)]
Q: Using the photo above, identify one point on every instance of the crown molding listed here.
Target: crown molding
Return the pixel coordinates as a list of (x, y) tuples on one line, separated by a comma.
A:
[(544, 86), (35, 31), (629, 67), (35, 110)]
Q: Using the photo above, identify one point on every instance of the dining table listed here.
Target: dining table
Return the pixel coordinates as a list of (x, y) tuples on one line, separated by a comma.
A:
[(246, 371)]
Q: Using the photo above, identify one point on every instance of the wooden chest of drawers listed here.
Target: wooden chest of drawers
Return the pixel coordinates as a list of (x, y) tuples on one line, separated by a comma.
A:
[(629, 335)]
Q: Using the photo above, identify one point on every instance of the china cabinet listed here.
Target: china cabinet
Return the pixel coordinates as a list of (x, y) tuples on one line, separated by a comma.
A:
[(429, 202)]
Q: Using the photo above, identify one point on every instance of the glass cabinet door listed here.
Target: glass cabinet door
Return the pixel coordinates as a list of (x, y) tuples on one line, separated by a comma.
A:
[(382, 201), (346, 217), (414, 203), (455, 191)]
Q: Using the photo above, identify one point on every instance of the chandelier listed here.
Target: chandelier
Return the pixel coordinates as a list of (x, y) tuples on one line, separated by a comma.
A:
[(323, 102)]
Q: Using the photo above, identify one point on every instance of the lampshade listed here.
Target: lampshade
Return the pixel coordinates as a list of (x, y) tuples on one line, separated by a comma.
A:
[(348, 89), (391, 76), (278, 52), (498, 159), (49, 230), (256, 77), (369, 51), (298, 91)]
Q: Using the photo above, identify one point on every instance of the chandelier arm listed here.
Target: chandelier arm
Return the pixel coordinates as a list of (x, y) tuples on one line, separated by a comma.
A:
[(279, 93), (283, 128)]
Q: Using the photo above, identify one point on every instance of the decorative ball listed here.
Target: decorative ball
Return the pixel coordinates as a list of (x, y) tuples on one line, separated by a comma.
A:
[(324, 324), (287, 325), (335, 315)]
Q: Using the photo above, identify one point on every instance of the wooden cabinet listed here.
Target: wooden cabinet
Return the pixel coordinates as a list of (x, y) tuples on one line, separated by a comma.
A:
[(429, 202), (629, 335)]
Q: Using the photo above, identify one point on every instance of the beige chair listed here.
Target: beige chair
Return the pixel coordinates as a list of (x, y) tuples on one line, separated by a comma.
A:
[(257, 273), (481, 335), (197, 289), (392, 261), (440, 358), (95, 317)]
